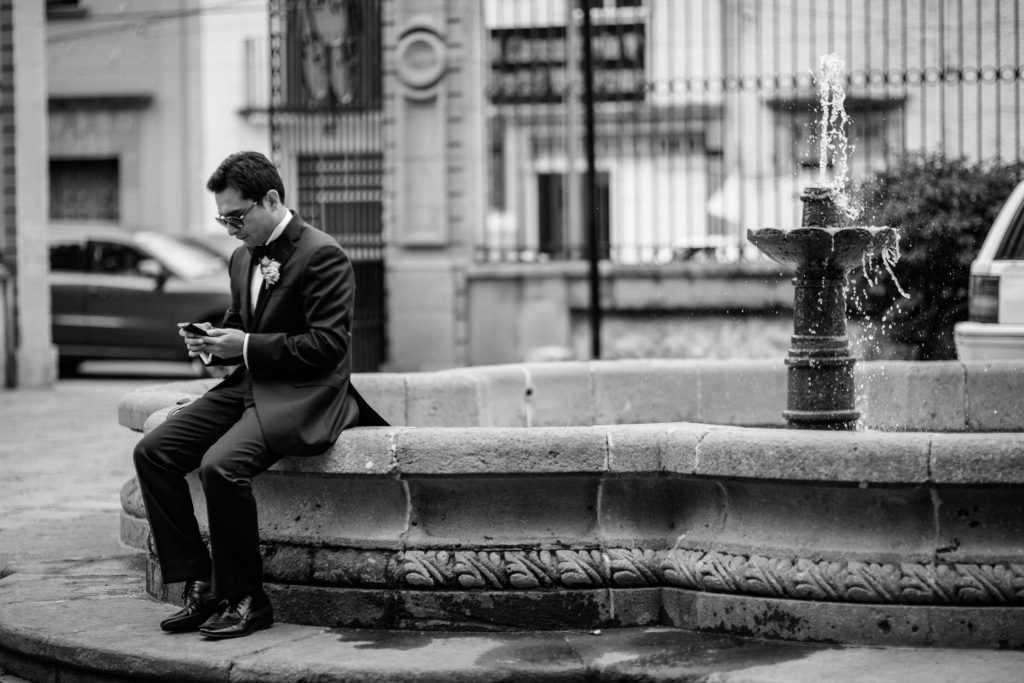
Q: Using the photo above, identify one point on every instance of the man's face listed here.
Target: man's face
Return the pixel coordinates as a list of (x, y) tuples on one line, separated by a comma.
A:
[(247, 221)]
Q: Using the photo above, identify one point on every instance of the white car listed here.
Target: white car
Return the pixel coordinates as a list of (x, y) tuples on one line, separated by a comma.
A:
[(995, 326)]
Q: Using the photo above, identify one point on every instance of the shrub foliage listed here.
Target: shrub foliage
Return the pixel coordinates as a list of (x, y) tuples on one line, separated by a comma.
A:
[(943, 209)]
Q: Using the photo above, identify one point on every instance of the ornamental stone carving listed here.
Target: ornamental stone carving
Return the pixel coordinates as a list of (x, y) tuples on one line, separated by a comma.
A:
[(588, 568), (866, 582)]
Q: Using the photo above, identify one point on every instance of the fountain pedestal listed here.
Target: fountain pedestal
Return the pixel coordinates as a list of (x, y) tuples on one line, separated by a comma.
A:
[(820, 366)]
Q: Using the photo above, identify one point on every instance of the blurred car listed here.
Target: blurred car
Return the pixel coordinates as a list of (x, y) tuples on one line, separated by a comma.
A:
[(220, 244), (995, 326), (118, 294)]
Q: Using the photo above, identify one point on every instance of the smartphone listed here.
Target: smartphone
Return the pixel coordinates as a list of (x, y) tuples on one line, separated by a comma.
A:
[(194, 329)]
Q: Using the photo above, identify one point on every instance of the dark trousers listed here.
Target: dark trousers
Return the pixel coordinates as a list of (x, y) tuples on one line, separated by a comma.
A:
[(220, 435)]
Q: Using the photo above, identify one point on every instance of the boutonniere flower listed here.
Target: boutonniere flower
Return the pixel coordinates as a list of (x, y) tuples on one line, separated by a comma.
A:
[(270, 270)]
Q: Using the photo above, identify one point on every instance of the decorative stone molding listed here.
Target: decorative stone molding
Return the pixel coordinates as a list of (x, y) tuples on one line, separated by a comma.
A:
[(866, 582), (702, 570)]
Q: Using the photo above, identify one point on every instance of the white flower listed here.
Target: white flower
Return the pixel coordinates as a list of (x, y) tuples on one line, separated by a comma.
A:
[(270, 270)]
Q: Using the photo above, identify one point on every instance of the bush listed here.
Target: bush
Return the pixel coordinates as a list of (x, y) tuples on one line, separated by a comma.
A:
[(943, 209)]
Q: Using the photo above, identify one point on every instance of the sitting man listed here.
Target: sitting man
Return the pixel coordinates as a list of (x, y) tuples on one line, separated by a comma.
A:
[(289, 332)]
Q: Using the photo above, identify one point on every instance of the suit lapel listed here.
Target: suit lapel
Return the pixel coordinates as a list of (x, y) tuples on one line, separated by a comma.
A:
[(247, 273), (280, 250)]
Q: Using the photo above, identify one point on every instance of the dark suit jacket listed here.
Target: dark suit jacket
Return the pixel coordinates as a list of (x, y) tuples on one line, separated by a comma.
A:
[(300, 339)]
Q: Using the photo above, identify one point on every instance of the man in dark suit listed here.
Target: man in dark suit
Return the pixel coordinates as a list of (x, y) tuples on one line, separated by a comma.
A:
[(289, 332)]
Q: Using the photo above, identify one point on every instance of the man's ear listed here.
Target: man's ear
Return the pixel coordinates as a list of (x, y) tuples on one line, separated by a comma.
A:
[(272, 199)]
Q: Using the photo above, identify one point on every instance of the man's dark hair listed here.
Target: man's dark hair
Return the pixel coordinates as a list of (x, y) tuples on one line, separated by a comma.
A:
[(251, 173)]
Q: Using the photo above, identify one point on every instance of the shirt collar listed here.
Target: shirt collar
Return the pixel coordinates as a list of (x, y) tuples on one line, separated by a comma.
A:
[(280, 227)]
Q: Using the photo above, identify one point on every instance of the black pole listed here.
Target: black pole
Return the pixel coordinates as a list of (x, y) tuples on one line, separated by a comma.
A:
[(590, 193)]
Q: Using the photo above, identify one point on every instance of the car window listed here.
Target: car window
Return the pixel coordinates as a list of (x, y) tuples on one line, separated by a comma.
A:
[(182, 259), (1012, 246), (67, 257), (114, 258)]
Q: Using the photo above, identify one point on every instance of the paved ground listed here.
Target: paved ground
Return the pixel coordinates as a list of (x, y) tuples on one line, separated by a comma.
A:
[(76, 594), (63, 460)]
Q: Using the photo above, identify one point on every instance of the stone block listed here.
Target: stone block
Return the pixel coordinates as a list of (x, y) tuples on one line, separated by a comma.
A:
[(501, 450), (157, 417), (679, 444), (637, 512), (804, 620), (360, 450), (385, 392), (698, 513), (559, 394), (912, 396), (131, 498), (815, 455), (742, 392), (634, 448), (341, 511), (503, 610), (635, 606), (286, 563), (989, 458), (789, 521), (982, 526), (442, 399), (503, 395), (134, 531), (333, 607), (489, 510), (994, 391), (644, 391), (360, 567)]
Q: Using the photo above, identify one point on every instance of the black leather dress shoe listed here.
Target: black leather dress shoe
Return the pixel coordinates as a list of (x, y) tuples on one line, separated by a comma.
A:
[(199, 606), (239, 617)]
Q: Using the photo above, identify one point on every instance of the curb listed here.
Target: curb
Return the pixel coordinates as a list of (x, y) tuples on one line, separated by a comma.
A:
[(90, 620)]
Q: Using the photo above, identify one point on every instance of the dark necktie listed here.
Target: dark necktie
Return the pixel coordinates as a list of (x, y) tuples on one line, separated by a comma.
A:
[(259, 252)]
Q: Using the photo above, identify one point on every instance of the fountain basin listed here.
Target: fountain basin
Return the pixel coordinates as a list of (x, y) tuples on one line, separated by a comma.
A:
[(590, 495)]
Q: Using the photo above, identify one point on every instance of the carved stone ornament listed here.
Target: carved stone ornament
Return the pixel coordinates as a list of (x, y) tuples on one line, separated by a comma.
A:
[(799, 579)]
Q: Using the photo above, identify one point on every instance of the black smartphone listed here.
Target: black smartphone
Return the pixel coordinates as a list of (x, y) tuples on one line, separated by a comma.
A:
[(194, 329)]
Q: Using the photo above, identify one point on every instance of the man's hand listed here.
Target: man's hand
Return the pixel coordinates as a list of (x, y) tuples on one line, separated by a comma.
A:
[(223, 343), (195, 343)]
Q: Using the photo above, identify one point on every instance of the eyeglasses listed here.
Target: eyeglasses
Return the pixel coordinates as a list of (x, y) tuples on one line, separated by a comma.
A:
[(237, 222)]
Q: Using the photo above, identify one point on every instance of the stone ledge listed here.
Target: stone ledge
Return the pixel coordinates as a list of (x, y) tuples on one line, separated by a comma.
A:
[(672, 448), (948, 396)]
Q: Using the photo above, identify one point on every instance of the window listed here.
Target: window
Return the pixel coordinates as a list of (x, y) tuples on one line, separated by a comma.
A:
[(112, 258), (64, 9), (552, 217), (67, 257), (85, 189)]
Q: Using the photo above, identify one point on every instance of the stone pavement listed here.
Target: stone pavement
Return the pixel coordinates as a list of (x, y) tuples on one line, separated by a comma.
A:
[(73, 605)]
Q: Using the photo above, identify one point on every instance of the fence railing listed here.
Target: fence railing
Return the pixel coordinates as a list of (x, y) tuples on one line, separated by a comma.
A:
[(705, 113)]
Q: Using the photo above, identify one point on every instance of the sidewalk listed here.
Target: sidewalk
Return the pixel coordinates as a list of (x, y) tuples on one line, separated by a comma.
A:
[(73, 604)]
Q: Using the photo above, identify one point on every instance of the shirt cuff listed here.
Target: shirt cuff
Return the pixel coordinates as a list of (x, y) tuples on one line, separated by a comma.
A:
[(245, 349)]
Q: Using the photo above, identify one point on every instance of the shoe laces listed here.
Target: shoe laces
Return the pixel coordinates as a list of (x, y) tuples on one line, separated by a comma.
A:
[(193, 589)]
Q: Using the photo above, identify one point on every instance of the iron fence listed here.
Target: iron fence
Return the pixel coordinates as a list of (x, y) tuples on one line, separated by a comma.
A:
[(705, 113), (325, 110)]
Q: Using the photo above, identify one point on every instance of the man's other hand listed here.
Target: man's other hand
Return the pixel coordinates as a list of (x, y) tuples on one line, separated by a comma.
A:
[(223, 343)]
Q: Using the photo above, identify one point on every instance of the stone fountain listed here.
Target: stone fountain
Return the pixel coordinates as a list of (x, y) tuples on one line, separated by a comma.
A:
[(823, 250), (660, 492)]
